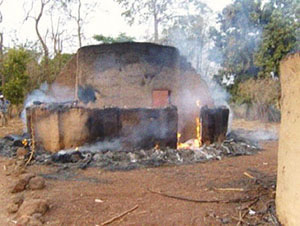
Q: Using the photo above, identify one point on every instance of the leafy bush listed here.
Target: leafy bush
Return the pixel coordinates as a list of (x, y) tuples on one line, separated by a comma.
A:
[(14, 90), (15, 74), (260, 91), (262, 96)]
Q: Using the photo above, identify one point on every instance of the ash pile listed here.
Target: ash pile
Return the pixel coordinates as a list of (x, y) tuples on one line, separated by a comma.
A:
[(111, 156), (124, 139)]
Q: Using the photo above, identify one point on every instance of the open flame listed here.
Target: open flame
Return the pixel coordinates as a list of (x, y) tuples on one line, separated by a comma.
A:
[(195, 143)]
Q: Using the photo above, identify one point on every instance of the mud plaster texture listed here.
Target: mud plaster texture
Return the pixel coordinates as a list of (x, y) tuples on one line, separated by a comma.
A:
[(125, 75), (288, 183), (55, 127)]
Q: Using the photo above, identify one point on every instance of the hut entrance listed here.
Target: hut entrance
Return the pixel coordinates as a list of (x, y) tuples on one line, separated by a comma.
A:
[(160, 98)]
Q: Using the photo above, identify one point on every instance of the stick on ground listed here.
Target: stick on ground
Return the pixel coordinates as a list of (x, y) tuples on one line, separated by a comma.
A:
[(249, 175), (203, 200), (229, 189), (120, 215)]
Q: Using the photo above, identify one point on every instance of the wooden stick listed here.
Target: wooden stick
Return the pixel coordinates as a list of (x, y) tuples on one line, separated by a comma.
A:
[(229, 189), (249, 175), (120, 215), (203, 200), (32, 140), (251, 204), (242, 216)]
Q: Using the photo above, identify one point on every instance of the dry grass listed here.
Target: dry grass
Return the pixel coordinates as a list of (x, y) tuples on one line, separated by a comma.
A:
[(14, 126), (254, 125)]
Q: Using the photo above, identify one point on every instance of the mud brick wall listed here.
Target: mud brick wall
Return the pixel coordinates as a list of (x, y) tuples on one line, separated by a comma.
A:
[(214, 124), (124, 75), (63, 127), (288, 173)]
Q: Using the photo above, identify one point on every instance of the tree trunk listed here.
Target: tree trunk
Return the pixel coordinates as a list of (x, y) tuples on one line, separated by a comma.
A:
[(155, 29), (155, 21), (79, 24), (1, 60), (43, 43)]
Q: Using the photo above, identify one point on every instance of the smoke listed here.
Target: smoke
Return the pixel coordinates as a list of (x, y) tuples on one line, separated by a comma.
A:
[(257, 135), (197, 53), (106, 145), (47, 94), (219, 95)]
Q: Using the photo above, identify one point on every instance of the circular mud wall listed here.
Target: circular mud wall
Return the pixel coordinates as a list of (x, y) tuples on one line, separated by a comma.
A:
[(288, 179), (127, 74)]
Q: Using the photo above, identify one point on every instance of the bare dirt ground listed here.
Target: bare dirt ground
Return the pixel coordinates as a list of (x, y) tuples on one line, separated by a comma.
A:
[(93, 196)]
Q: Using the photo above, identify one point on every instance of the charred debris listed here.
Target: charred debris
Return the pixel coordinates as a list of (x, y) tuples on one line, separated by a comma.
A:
[(125, 151)]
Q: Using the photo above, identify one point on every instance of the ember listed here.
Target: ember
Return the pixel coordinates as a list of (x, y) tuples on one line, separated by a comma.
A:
[(211, 127), (107, 155)]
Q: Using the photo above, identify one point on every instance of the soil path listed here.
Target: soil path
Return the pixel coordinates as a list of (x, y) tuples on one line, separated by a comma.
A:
[(93, 196)]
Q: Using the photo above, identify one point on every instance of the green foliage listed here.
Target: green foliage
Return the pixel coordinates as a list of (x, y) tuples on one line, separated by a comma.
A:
[(14, 89), (122, 37), (15, 74), (264, 91), (278, 39), (56, 65), (252, 40), (159, 11), (236, 41)]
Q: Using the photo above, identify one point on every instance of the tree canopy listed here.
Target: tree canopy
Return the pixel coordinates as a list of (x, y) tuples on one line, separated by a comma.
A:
[(122, 37), (253, 38), (159, 11), (14, 70), (279, 35)]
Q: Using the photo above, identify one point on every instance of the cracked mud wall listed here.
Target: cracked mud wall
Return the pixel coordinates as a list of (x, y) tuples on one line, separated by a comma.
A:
[(288, 175)]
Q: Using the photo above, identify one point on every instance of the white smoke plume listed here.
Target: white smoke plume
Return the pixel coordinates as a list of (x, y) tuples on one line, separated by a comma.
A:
[(47, 94)]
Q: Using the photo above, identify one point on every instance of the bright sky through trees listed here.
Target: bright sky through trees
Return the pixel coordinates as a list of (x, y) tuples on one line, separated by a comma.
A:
[(106, 20)]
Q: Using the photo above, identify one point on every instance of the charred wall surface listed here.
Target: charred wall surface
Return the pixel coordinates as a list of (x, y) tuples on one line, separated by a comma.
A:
[(55, 127), (126, 75)]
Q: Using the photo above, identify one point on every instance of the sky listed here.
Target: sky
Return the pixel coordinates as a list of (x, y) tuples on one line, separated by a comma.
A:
[(106, 19)]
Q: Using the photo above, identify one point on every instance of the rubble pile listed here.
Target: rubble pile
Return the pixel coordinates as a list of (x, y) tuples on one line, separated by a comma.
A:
[(120, 159)]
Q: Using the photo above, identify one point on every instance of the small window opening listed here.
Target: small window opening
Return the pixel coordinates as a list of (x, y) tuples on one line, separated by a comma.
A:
[(161, 98)]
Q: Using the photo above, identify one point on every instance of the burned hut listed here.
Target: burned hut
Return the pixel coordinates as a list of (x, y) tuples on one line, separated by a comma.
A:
[(133, 76), (136, 75)]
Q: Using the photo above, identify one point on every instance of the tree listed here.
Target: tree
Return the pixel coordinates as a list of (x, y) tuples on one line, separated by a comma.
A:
[(37, 18), (122, 37), (78, 11), (235, 43), (56, 35), (57, 63), (51, 38), (279, 36), (144, 10), (189, 33), (264, 95), (15, 72), (252, 39), (1, 49)]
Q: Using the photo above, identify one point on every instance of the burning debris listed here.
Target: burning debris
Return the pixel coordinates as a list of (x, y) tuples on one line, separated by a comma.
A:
[(108, 155), (123, 139), (150, 132), (211, 127)]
